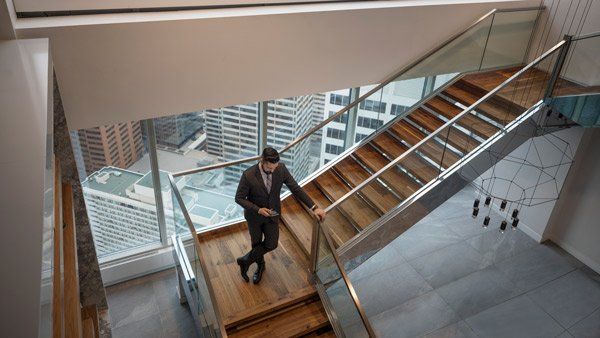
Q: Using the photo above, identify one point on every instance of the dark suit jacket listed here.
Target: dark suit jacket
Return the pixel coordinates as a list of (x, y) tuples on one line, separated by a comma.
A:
[(252, 194)]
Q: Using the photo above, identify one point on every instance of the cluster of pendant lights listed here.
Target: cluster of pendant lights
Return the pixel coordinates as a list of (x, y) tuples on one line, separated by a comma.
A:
[(486, 220)]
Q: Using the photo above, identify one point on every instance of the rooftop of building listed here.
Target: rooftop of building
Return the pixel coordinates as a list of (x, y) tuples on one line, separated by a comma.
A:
[(146, 181), (209, 199), (203, 211), (111, 180)]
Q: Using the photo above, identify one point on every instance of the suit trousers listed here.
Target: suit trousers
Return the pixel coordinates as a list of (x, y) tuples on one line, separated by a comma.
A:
[(264, 237)]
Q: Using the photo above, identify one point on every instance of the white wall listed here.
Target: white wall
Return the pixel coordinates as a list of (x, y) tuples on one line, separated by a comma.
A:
[(123, 67), (575, 221), (7, 31), (574, 18), (24, 117), (540, 187)]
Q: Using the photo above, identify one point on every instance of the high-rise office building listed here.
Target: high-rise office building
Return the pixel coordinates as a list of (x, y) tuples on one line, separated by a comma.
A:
[(122, 207), (174, 131), (289, 119), (372, 113), (318, 110), (118, 145), (122, 212), (232, 132)]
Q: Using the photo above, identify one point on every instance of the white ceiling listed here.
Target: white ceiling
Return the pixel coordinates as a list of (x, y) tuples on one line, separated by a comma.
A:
[(124, 67), (74, 5)]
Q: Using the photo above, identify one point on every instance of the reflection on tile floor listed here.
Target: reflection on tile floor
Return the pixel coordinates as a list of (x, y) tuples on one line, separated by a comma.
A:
[(148, 307), (449, 277)]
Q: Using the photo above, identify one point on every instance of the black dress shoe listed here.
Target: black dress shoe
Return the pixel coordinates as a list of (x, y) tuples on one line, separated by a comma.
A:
[(258, 273), (244, 265)]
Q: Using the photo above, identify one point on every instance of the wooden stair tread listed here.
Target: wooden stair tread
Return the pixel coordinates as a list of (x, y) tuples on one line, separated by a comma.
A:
[(332, 185), (459, 140), (296, 322), (432, 149), (286, 280), (352, 172), (371, 158), (341, 228), (402, 184), (487, 81), (389, 145), (356, 208), (533, 80), (375, 192), (493, 111), (469, 121), (298, 221), (414, 163)]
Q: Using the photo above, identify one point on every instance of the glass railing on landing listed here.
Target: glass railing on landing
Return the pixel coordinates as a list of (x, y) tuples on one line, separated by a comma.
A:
[(576, 94), (335, 288), (498, 39), (580, 73), (197, 286)]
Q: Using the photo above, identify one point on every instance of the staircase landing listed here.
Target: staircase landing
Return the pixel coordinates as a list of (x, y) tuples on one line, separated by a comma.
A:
[(284, 284)]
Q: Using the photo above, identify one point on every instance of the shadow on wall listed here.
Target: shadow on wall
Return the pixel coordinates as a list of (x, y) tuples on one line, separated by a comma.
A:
[(574, 221)]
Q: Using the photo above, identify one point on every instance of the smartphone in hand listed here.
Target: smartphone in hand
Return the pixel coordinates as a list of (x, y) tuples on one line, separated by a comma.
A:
[(273, 213)]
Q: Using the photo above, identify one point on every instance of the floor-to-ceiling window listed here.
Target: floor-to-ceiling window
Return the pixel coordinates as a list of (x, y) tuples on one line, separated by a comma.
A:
[(114, 169), (120, 164)]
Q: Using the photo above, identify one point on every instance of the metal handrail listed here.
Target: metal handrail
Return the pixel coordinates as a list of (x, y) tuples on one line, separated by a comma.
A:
[(190, 224), (351, 105), (447, 124), (586, 36)]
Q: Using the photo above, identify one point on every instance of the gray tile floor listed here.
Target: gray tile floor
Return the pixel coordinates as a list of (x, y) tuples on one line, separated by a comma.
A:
[(449, 277), (445, 277), (148, 307)]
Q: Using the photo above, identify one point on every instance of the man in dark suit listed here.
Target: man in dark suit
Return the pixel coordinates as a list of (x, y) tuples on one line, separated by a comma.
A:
[(258, 193)]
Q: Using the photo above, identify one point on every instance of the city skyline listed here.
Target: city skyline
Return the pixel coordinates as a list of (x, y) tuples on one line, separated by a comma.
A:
[(231, 133)]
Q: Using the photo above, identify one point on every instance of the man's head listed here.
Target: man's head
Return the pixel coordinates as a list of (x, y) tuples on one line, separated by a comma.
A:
[(269, 160)]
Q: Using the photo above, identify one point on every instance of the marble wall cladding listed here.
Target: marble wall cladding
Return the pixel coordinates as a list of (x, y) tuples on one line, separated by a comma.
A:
[(90, 281)]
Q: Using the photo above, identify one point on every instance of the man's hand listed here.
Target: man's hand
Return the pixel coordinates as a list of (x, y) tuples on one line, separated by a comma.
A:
[(320, 213), (264, 212)]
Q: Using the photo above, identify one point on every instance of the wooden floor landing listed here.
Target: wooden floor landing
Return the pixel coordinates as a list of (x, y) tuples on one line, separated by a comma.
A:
[(285, 281)]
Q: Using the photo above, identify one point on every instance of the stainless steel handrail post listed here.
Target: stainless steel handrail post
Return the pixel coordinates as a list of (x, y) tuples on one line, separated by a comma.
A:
[(558, 65), (314, 246), (148, 125)]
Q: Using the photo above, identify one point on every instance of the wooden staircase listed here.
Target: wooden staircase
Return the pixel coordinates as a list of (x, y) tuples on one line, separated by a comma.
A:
[(286, 303), (69, 318)]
